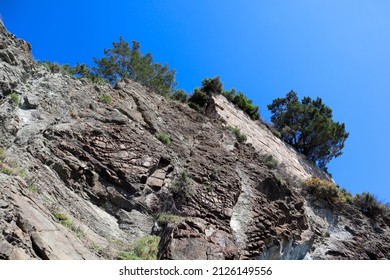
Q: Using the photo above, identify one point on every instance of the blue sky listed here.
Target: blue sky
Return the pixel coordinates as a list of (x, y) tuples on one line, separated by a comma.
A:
[(337, 50)]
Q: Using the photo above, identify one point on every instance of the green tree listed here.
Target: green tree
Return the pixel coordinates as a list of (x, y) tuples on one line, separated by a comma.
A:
[(123, 61), (308, 126)]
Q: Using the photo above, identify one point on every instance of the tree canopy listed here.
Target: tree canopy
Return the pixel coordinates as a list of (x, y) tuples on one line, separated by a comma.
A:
[(124, 62), (308, 126)]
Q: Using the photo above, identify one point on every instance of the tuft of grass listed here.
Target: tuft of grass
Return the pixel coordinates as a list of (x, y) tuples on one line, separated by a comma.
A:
[(271, 162), (15, 99), (3, 153), (241, 138), (166, 218), (164, 138), (7, 171), (146, 248), (23, 173), (67, 222), (33, 188), (106, 99)]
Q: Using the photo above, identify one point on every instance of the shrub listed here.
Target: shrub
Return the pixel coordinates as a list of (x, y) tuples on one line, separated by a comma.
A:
[(199, 100), (327, 190), (241, 138), (146, 248), (271, 162), (33, 188), (107, 99), (7, 171), (166, 218), (164, 138), (63, 219), (67, 222), (182, 185), (369, 205), (212, 85), (15, 99), (180, 95)]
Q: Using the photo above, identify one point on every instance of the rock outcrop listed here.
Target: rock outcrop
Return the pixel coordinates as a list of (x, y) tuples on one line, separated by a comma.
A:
[(84, 178)]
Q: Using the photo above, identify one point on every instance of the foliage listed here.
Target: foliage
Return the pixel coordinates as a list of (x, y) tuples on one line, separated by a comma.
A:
[(146, 248), (7, 171), (67, 222), (201, 97), (33, 188), (166, 218), (369, 205), (124, 62), (107, 99), (15, 99), (199, 100), (63, 219), (241, 138), (239, 99), (212, 85), (182, 185), (78, 71), (328, 190), (180, 95), (271, 162), (164, 137), (307, 125)]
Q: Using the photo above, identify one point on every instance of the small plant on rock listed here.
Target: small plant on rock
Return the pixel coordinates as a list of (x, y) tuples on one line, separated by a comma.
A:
[(164, 138), (182, 185), (166, 218), (271, 162), (146, 248), (106, 99), (241, 138), (15, 99)]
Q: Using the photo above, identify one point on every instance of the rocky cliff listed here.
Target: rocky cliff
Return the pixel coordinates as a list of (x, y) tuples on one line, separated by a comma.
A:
[(85, 173)]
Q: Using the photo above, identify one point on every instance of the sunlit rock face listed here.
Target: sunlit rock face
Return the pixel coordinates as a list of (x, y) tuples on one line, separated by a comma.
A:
[(83, 179)]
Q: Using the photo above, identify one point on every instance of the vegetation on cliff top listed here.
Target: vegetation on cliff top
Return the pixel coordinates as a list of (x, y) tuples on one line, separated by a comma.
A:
[(307, 125)]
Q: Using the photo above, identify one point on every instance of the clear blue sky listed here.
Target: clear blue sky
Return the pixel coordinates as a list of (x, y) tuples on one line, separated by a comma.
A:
[(337, 50)]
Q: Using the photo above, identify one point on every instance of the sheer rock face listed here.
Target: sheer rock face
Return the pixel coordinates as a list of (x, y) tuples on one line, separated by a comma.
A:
[(82, 179)]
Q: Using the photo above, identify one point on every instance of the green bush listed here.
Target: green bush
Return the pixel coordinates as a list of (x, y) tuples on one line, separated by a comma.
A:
[(7, 171), (182, 185), (327, 190), (146, 248), (199, 100), (166, 218), (271, 162), (180, 95), (369, 205), (241, 138), (33, 188), (106, 99), (15, 99), (164, 138), (63, 219)]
